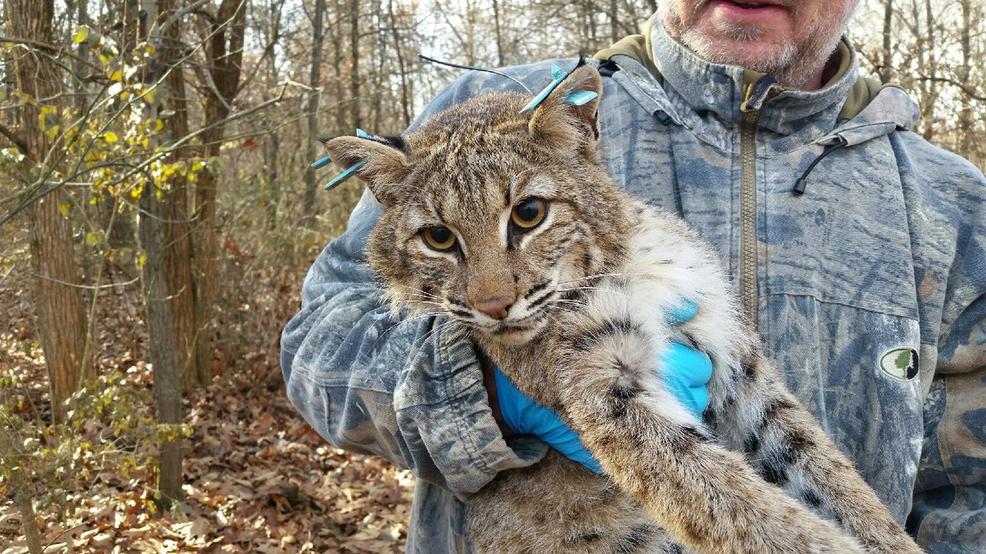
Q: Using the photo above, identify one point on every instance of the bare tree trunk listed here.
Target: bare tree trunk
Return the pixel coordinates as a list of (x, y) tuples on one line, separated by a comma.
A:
[(405, 95), (499, 33), (354, 77), (224, 50), (930, 92), (163, 344), (886, 65), (60, 308), (378, 59), (337, 53), (965, 70), (167, 282), (272, 145), (315, 82), (614, 21)]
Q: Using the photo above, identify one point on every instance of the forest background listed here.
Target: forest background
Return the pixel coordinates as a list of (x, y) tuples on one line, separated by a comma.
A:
[(158, 214)]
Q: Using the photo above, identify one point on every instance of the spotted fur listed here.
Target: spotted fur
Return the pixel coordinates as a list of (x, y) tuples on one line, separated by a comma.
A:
[(583, 336)]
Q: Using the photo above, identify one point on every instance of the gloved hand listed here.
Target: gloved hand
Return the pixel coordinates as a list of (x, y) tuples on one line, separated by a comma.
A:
[(686, 372)]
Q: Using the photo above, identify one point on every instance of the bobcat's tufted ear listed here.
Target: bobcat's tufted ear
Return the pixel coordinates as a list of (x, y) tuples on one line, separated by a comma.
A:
[(385, 163), (568, 117)]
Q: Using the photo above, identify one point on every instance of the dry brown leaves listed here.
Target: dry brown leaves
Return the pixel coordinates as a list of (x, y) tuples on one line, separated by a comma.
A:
[(258, 478)]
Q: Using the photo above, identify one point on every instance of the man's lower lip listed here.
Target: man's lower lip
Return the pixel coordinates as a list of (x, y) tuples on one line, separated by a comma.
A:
[(746, 13)]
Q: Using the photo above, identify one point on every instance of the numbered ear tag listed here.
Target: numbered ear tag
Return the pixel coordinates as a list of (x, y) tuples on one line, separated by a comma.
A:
[(345, 174), (573, 98), (321, 162), (557, 76), (580, 97), (349, 171)]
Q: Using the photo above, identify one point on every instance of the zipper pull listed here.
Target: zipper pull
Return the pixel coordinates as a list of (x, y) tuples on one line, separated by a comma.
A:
[(756, 94)]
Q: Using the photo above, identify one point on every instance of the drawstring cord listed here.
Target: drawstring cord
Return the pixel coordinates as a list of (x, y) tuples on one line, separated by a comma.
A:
[(802, 183)]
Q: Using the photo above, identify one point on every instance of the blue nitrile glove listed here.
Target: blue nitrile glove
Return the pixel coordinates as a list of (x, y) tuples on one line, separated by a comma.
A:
[(686, 372)]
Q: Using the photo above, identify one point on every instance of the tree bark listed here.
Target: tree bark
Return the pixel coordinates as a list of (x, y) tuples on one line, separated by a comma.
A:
[(166, 276), (315, 82), (886, 65), (224, 51), (966, 137), (354, 77), (405, 94), (499, 34), (60, 308)]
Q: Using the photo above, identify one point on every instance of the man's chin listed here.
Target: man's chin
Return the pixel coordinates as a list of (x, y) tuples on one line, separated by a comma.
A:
[(733, 49)]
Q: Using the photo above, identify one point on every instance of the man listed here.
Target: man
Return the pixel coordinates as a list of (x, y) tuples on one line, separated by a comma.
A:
[(857, 247)]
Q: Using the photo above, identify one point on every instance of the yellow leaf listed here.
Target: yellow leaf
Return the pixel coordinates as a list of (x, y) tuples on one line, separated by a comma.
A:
[(142, 260), (64, 206), (91, 239), (149, 95), (110, 137), (105, 58), (81, 34), (116, 76)]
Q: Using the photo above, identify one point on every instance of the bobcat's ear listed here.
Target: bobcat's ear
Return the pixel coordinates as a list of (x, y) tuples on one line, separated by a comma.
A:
[(385, 163), (568, 117)]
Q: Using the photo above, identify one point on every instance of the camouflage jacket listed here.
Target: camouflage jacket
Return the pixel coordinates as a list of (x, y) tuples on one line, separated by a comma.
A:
[(869, 289)]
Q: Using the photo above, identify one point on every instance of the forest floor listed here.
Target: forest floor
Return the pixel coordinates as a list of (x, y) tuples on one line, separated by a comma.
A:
[(257, 477)]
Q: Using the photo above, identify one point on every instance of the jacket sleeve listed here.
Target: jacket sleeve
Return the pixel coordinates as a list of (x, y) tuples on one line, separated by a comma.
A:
[(407, 389), (949, 510)]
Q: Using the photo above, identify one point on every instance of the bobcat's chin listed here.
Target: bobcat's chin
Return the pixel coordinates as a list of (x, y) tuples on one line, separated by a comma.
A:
[(509, 334)]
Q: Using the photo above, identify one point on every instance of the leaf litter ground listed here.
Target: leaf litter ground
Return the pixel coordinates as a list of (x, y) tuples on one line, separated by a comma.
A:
[(257, 477)]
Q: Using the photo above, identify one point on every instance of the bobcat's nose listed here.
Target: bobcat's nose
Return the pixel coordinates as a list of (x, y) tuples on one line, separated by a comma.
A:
[(495, 306)]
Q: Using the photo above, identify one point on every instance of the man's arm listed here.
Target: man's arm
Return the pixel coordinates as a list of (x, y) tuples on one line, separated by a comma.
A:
[(949, 510)]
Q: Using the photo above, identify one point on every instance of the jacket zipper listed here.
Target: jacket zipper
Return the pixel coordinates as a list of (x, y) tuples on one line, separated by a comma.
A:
[(748, 216)]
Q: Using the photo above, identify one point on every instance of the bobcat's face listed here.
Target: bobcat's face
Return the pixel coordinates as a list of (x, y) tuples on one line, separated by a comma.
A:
[(497, 251), (492, 217)]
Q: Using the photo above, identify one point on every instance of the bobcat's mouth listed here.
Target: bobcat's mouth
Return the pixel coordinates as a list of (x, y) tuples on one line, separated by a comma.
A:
[(517, 332)]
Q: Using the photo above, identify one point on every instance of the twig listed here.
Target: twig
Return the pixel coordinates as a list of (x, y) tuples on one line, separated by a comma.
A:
[(18, 141)]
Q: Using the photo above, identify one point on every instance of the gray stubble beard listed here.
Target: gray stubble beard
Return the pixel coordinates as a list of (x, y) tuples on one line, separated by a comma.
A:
[(793, 67)]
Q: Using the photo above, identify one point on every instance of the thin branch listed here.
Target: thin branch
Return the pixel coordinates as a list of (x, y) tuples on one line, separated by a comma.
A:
[(18, 141), (967, 90)]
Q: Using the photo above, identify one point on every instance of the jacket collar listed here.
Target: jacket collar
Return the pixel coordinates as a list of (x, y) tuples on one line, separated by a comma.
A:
[(728, 91)]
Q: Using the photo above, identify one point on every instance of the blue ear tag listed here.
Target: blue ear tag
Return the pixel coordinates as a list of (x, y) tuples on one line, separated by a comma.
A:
[(345, 174), (557, 76), (321, 162), (580, 97), (360, 133), (348, 172)]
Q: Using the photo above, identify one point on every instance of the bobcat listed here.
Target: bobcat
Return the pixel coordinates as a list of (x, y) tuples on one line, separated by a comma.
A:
[(506, 223)]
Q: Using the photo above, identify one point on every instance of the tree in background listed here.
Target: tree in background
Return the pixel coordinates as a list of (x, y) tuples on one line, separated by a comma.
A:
[(61, 315)]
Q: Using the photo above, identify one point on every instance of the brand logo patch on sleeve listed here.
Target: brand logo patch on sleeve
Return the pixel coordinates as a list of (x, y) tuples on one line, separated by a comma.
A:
[(900, 363)]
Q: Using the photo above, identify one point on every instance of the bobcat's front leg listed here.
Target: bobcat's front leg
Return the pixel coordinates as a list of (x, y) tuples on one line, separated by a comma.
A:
[(787, 446), (706, 497)]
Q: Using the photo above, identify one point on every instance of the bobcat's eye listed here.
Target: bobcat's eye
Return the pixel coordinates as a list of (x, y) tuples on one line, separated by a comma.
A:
[(529, 213), (438, 238)]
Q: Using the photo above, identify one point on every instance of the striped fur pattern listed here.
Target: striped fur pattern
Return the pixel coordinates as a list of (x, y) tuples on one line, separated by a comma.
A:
[(583, 336)]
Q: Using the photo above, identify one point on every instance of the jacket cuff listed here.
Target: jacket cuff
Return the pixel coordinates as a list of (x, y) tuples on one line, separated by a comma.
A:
[(454, 420)]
